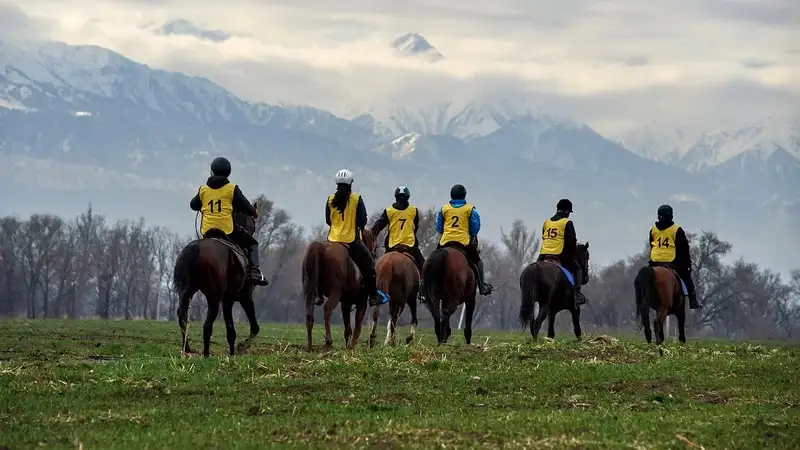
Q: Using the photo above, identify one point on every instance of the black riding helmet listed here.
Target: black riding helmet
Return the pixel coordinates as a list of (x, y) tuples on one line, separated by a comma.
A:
[(458, 192), (664, 213), (402, 193), (221, 167), (564, 205)]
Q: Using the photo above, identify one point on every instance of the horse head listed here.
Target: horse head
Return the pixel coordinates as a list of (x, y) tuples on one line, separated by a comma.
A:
[(582, 255)]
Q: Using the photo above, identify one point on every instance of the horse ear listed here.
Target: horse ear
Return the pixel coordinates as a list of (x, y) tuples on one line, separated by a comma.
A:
[(587, 245)]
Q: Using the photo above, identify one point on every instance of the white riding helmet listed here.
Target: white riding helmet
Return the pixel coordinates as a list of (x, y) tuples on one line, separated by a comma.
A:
[(344, 176)]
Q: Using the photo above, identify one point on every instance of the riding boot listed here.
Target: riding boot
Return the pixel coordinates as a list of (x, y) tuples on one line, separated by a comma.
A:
[(372, 290), (483, 287), (580, 299), (255, 272), (689, 282)]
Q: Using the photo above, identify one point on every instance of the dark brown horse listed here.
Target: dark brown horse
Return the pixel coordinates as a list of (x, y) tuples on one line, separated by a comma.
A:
[(328, 271), (448, 281), (397, 276), (216, 267), (659, 288), (545, 283)]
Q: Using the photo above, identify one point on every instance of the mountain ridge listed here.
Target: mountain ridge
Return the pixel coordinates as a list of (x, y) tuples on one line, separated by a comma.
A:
[(516, 159)]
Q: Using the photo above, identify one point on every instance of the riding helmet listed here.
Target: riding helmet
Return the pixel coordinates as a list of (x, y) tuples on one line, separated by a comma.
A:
[(664, 213), (458, 192), (402, 192), (344, 176), (564, 205), (221, 167)]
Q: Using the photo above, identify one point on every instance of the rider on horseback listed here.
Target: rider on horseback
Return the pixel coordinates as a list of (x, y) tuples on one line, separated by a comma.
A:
[(346, 216), (459, 223), (559, 241), (669, 247), (402, 219), (217, 200)]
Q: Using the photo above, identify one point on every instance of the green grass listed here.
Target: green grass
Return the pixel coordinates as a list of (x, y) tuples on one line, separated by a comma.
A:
[(115, 384)]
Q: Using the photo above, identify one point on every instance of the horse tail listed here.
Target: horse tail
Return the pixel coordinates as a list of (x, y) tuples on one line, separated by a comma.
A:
[(527, 287), (645, 287), (184, 267), (311, 272), (433, 273)]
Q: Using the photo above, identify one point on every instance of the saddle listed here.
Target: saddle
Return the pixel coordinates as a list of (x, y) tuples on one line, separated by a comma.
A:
[(557, 262), (220, 236), (674, 271), (403, 250)]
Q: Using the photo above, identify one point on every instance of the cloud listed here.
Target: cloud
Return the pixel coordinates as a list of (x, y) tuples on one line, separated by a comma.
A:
[(625, 59)]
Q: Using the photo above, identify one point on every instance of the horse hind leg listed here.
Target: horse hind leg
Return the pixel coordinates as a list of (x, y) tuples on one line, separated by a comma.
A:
[(373, 331), (469, 304), (361, 311), (208, 326), (412, 307), (230, 327), (536, 324), (576, 321), (183, 320)]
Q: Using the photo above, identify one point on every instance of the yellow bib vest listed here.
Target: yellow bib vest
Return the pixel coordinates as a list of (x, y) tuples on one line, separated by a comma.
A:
[(217, 208), (662, 247), (553, 236), (343, 224), (455, 224), (401, 226)]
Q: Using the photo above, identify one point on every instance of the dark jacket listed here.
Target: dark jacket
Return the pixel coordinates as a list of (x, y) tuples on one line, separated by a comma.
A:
[(361, 214), (570, 238), (683, 260), (240, 202), (383, 222)]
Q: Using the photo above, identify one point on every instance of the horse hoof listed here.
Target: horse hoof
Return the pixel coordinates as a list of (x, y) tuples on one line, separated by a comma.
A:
[(409, 340)]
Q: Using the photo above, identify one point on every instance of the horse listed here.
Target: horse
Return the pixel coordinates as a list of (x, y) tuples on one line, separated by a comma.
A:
[(660, 288), (549, 284), (328, 271), (397, 276), (218, 268), (448, 281)]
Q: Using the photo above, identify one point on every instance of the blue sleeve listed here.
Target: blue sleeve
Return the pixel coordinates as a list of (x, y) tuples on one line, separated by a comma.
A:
[(474, 222), (439, 225), (361, 214)]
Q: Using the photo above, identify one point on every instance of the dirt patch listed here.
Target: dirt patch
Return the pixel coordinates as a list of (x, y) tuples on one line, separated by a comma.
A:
[(664, 385), (711, 398)]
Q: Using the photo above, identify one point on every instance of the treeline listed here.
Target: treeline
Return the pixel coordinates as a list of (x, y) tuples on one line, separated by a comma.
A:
[(88, 267)]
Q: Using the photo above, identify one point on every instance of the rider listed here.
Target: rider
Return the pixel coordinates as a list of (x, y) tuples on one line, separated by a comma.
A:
[(217, 201), (559, 240), (402, 219), (670, 247), (346, 216), (459, 223)]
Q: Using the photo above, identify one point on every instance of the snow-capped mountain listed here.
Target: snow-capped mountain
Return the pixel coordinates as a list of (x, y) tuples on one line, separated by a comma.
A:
[(696, 150), (74, 117), (413, 44)]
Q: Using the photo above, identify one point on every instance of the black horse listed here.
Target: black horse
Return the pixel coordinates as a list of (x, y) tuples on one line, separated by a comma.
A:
[(543, 282), (217, 267)]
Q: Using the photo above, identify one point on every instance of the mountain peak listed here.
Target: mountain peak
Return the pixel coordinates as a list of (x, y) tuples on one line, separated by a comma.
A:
[(414, 44)]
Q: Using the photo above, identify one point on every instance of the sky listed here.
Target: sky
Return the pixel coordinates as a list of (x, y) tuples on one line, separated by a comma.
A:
[(613, 64)]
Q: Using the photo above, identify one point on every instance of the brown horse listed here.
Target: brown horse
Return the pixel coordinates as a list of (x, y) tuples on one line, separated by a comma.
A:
[(218, 268), (545, 283), (328, 271), (659, 288), (397, 276), (448, 281)]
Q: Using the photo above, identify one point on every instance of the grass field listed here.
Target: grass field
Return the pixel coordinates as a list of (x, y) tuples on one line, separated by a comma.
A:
[(114, 384)]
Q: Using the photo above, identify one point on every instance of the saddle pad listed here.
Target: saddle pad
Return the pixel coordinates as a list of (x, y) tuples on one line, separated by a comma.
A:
[(567, 273), (683, 285), (244, 262)]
